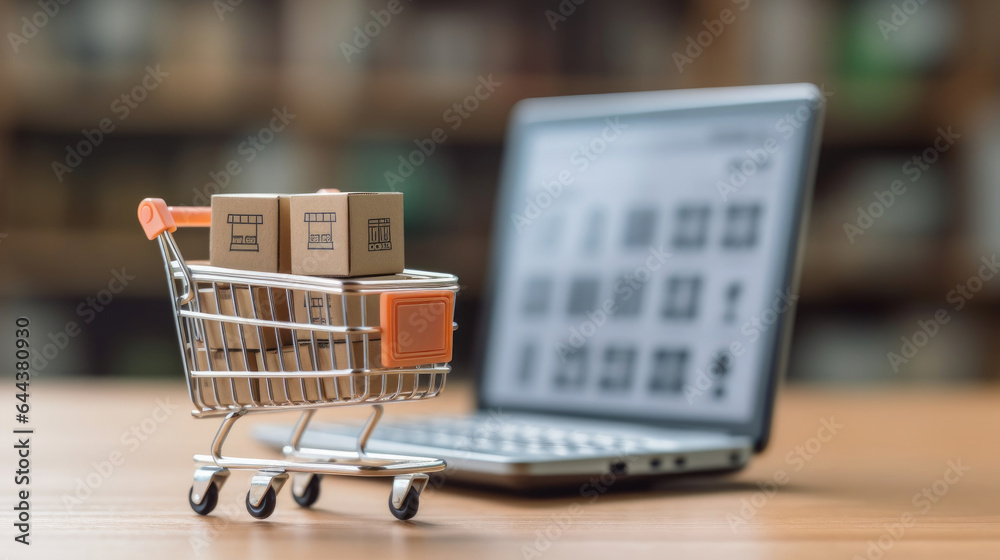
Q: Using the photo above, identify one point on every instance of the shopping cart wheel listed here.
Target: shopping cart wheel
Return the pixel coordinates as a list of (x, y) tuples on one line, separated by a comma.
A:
[(310, 493), (208, 503), (266, 506), (408, 508)]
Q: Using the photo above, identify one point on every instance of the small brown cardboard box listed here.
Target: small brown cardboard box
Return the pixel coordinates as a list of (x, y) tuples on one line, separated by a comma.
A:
[(356, 356), (345, 386), (251, 334), (267, 311), (250, 232), (347, 234), (214, 329), (294, 392), (354, 386), (240, 385), (323, 357), (217, 360), (315, 312), (244, 387)]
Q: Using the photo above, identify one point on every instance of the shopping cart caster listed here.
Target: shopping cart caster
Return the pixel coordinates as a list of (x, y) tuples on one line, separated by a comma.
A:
[(208, 501), (263, 494), (408, 507), (305, 489), (265, 507), (204, 494), (405, 497)]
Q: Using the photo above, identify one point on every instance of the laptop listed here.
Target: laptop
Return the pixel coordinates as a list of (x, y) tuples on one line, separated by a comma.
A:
[(643, 285)]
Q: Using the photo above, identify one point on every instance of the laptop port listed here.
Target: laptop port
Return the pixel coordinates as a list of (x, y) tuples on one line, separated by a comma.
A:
[(734, 458), (679, 462), (618, 468), (654, 463)]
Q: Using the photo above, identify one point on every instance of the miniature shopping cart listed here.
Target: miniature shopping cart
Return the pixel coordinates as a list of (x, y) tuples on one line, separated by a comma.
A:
[(259, 342)]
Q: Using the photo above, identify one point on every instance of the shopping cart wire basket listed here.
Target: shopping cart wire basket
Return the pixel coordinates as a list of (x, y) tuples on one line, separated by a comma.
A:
[(267, 342)]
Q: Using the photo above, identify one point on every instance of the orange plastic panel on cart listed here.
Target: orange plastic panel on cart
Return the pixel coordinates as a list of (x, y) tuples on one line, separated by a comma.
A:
[(416, 327)]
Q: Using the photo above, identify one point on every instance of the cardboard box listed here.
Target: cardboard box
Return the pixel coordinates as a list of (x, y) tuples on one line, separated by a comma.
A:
[(242, 386), (244, 307), (249, 389), (340, 355), (354, 386), (313, 312), (347, 234), (268, 311), (286, 387), (338, 360), (287, 356), (297, 389), (251, 232), (237, 362), (214, 329), (310, 310), (345, 386)]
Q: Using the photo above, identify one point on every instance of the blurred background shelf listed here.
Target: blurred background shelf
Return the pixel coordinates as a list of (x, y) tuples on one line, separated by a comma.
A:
[(357, 115), (193, 98)]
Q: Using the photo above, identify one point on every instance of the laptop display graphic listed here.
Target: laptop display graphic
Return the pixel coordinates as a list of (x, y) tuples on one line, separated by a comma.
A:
[(644, 262)]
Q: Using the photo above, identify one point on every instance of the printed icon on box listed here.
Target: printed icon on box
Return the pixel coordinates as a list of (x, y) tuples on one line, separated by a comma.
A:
[(244, 231), (320, 229), (314, 306), (379, 238)]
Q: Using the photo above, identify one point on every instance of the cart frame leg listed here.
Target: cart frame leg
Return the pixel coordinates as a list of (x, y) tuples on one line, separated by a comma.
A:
[(299, 480), (366, 431), (298, 430), (223, 433)]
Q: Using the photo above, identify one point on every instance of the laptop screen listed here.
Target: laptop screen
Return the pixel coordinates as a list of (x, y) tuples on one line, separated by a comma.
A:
[(645, 253)]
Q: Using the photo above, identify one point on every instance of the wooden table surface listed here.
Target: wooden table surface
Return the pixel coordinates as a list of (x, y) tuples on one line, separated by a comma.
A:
[(911, 474)]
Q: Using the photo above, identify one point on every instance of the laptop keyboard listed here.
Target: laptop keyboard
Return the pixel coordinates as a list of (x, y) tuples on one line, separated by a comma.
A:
[(488, 435)]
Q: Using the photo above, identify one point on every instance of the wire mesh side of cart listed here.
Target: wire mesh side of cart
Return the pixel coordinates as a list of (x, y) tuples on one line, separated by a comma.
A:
[(253, 340)]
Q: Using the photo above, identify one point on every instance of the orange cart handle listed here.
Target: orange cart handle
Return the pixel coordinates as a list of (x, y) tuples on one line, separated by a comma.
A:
[(156, 217)]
